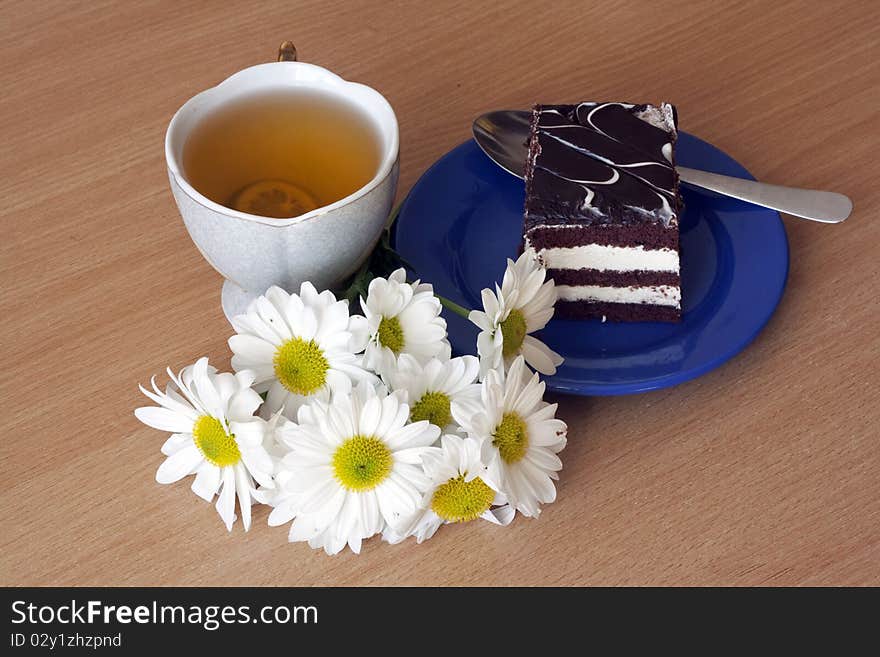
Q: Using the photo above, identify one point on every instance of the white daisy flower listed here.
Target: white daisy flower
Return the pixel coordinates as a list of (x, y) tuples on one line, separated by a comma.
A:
[(300, 347), (215, 436), (522, 305), (402, 318), (354, 466), (457, 492), (519, 437), (434, 388)]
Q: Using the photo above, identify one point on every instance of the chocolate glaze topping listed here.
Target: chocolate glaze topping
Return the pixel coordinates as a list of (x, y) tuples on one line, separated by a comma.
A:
[(601, 163)]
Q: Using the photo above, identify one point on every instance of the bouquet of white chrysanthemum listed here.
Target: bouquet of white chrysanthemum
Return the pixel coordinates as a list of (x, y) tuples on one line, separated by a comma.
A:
[(355, 425)]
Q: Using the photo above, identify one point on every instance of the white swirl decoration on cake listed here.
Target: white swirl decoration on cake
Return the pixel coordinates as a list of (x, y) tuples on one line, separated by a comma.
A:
[(625, 148)]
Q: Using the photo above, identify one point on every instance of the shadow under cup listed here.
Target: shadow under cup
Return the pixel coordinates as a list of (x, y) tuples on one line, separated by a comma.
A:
[(324, 245)]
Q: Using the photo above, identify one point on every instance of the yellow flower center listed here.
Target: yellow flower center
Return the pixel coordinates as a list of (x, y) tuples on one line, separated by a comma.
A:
[(461, 501), (391, 334), (514, 331), (433, 407), (361, 463), (511, 437), (217, 446), (300, 366)]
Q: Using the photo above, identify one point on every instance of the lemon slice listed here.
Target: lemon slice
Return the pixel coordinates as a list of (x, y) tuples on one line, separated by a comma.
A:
[(274, 198)]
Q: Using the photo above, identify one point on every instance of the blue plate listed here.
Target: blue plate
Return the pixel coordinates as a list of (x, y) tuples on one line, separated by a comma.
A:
[(463, 219)]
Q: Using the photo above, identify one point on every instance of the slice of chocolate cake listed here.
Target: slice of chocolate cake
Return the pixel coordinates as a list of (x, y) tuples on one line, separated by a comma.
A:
[(602, 207)]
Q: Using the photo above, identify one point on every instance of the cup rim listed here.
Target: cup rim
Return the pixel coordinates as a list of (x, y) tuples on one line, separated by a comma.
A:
[(320, 78)]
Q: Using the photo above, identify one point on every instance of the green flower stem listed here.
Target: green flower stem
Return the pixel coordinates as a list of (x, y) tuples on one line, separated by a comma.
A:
[(454, 307), (393, 216), (361, 280)]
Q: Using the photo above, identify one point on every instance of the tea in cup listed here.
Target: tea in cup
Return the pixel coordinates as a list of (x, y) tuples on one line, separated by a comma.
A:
[(284, 172)]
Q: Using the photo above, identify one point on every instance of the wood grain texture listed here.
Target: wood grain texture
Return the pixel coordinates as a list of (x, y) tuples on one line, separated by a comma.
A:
[(765, 471)]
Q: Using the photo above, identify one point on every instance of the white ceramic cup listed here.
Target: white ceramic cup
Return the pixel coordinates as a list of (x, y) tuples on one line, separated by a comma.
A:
[(323, 246)]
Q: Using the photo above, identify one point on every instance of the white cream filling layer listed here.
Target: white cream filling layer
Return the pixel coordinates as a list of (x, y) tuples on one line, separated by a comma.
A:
[(613, 258), (657, 295)]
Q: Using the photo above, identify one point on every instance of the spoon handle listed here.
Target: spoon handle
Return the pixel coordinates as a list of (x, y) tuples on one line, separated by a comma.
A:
[(826, 207)]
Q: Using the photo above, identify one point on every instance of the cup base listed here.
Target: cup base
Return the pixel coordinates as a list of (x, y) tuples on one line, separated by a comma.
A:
[(235, 300)]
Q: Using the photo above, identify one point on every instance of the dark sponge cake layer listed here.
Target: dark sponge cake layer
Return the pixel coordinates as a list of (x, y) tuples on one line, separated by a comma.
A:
[(607, 278), (617, 312), (649, 235)]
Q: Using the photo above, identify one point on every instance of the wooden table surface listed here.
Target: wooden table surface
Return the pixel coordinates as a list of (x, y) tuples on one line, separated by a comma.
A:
[(765, 471)]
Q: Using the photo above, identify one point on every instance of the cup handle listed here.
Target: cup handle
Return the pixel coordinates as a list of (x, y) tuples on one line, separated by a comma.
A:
[(287, 52)]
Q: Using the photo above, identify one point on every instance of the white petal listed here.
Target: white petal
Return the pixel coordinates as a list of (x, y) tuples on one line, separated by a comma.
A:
[(413, 455), (203, 380), (481, 319), (428, 528), (316, 498), (245, 378), (226, 501), (282, 514), (277, 398), (164, 420), (540, 356), (545, 491), (271, 315), (260, 465), (243, 404), (537, 319), (308, 328), (416, 434), (502, 515), (167, 401), (207, 481), (251, 349), (249, 433), (371, 518), (178, 465), (544, 460), (360, 333), (490, 305), (528, 398), (370, 416), (257, 323), (243, 488), (226, 385), (175, 442), (488, 452), (304, 528)]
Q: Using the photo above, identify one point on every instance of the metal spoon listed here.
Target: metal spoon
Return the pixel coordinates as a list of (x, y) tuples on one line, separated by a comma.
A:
[(503, 136)]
